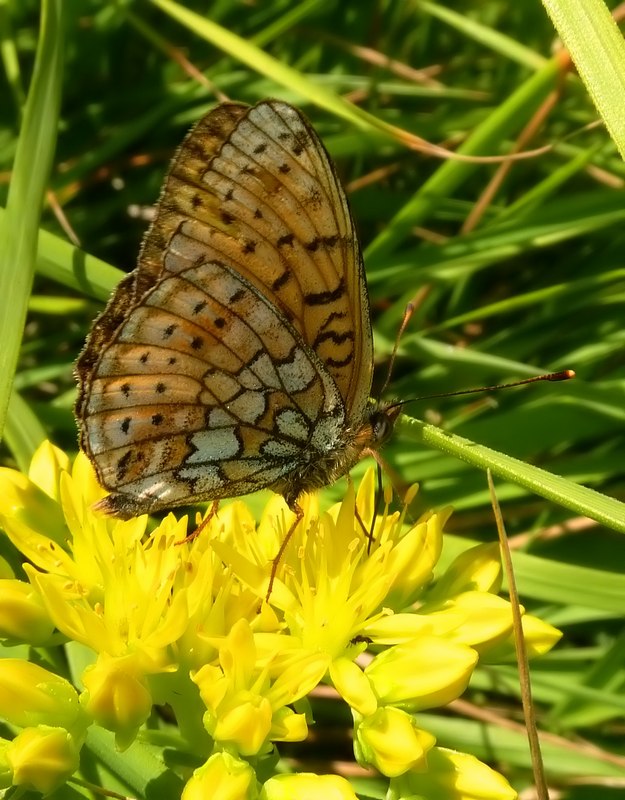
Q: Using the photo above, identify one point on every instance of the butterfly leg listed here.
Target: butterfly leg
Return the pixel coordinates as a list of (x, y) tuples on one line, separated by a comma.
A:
[(194, 534), (398, 484), (368, 533), (299, 516)]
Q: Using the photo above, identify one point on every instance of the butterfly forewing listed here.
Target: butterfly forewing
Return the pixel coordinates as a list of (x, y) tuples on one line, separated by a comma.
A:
[(268, 203), (238, 355)]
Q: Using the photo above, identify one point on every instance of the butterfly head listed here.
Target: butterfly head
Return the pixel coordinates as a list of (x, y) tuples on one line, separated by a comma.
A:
[(382, 419)]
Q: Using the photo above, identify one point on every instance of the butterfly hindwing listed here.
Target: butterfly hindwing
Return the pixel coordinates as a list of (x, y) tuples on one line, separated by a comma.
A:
[(204, 392)]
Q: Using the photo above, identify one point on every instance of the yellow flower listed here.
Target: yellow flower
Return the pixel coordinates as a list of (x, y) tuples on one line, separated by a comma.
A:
[(42, 758), (23, 617), (328, 587), (429, 671), (31, 695), (307, 786), (453, 776), (246, 699), (168, 624), (223, 777), (391, 741)]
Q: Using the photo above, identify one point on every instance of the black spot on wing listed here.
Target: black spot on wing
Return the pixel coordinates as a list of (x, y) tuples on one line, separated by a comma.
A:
[(281, 280), (329, 296), (333, 336), (287, 239), (340, 362), (123, 465)]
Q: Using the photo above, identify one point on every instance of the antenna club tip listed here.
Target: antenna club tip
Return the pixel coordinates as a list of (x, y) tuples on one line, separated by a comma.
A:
[(564, 375)]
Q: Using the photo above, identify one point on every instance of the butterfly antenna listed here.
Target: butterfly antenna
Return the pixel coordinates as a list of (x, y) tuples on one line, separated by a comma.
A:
[(563, 375), (410, 309)]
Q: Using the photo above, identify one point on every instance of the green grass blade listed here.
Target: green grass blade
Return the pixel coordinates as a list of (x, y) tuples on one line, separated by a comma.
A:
[(23, 431), (486, 137), (580, 499), (280, 72), (33, 159), (494, 39), (596, 46)]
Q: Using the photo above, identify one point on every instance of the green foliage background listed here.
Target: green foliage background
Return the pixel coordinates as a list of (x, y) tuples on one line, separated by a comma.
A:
[(535, 282)]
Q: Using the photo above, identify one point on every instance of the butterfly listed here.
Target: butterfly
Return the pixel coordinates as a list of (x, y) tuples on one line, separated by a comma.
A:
[(238, 354)]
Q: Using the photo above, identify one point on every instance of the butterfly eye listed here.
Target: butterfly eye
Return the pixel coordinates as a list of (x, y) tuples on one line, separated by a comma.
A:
[(381, 426)]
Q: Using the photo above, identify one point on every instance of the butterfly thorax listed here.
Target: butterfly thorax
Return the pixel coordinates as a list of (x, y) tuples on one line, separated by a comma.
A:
[(320, 468)]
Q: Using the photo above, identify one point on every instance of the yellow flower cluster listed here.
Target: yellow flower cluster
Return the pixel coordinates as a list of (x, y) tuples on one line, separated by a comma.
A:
[(148, 622)]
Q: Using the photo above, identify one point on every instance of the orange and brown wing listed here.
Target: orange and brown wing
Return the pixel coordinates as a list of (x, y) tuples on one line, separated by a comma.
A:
[(255, 189), (205, 391)]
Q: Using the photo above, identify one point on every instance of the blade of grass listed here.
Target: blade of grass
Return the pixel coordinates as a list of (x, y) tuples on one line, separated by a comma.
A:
[(33, 160), (70, 266), (23, 432), (508, 117), (495, 40), (282, 73), (577, 498), (10, 61), (596, 46)]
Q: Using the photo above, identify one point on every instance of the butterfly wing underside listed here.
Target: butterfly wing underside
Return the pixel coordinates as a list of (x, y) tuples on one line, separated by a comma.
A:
[(243, 333)]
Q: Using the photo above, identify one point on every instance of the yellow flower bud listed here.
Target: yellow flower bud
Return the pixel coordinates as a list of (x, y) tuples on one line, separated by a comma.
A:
[(353, 686), (22, 614), (477, 569), (391, 742), (423, 673), (454, 776), (30, 695), (42, 758), (212, 684), (287, 726), (245, 722), (116, 697), (482, 620), (539, 637), (6, 771), (307, 786), (46, 466), (413, 558), (26, 508), (223, 777)]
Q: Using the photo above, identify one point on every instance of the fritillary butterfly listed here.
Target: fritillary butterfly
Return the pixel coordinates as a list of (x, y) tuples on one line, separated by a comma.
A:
[(238, 354)]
